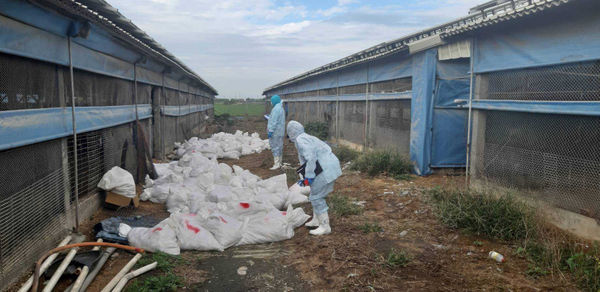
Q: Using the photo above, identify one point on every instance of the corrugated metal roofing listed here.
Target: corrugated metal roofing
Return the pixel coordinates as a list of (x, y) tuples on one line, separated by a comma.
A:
[(475, 20), (102, 13)]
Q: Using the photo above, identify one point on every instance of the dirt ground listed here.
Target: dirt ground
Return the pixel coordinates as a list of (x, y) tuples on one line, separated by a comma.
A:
[(441, 259)]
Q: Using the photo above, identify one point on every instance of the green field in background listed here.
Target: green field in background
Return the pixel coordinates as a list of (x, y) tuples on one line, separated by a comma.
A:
[(251, 109)]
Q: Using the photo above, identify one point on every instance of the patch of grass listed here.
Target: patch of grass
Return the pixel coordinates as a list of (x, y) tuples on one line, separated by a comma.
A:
[(547, 249), (345, 153), (585, 268), (342, 206), (164, 262), (167, 281), (162, 283), (500, 217), (397, 258), (383, 162), (535, 271), (370, 227), (240, 109), (477, 243), (317, 129)]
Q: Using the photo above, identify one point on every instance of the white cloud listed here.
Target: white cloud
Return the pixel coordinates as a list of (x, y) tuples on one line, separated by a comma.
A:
[(242, 47)]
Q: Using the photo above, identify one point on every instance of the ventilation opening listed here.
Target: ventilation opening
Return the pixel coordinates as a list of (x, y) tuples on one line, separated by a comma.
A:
[(90, 162)]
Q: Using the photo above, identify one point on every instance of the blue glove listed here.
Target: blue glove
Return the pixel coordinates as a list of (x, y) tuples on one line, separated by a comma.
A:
[(270, 134), (300, 182), (308, 181)]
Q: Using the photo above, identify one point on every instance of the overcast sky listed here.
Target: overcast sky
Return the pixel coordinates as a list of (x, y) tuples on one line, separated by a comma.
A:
[(243, 46)]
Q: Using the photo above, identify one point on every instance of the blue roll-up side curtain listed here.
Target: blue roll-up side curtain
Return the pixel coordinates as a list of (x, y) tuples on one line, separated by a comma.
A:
[(449, 118), (423, 82), (575, 38), (543, 42), (23, 127)]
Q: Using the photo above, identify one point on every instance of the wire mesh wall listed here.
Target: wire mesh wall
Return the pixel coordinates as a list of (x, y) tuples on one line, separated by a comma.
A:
[(567, 82), (553, 157), (38, 194)]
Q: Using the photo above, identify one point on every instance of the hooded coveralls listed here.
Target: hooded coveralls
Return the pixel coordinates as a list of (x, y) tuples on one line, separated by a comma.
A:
[(276, 125), (310, 149)]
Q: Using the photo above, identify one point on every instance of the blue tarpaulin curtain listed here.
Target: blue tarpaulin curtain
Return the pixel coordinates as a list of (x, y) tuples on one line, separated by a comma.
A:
[(423, 82), (540, 42)]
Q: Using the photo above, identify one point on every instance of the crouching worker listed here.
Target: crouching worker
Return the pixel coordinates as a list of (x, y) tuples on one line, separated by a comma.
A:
[(276, 131), (322, 168)]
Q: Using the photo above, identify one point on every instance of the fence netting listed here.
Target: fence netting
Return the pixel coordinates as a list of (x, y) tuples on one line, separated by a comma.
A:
[(553, 157)]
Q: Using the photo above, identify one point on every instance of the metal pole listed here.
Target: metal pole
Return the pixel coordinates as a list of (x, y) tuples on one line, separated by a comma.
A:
[(135, 91), (162, 122), (467, 172), (367, 110), (337, 110), (75, 171)]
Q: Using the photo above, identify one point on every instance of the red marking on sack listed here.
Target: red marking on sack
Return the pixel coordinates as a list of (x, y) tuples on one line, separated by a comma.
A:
[(191, 227), (284, 213), (193, 151), (245, 205), (156, 229), (223, 220)]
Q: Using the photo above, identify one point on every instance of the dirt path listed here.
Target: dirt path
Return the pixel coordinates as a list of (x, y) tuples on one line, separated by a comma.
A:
[(439, 258)]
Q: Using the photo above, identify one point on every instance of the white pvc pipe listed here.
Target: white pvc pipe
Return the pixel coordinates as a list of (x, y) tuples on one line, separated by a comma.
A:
[(77, 285), (121, 273), (44, 265), (61, 269), (97, 247), (132, 275)]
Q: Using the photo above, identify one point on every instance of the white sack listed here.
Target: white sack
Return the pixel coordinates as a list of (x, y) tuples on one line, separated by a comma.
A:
[(118, 181), (191, 234), (267, 227), (226, 229), (158, 238)]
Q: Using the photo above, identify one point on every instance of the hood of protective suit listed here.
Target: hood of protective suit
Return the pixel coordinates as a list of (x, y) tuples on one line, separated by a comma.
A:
[(275, 99), (294, 129)]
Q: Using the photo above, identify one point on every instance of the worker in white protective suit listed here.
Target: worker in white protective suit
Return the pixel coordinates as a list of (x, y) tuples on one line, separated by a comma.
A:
[(276, 131), (321, 170)]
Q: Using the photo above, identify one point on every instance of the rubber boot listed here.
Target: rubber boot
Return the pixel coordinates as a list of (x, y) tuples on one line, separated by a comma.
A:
[(314, 222), (324, 227), (276, 163)]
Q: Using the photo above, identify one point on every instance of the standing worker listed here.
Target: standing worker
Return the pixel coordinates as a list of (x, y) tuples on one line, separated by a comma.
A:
[(276, 131), (321, 170)]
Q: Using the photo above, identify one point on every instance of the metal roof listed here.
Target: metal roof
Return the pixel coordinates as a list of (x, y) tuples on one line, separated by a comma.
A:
[(108, 17), (478, 18)]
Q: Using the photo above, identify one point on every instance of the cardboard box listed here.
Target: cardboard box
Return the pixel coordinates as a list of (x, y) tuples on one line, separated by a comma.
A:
[(117, 200)]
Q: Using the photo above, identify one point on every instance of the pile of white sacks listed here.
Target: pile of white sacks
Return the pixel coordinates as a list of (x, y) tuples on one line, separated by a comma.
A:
[(214, 206), (223, 145)]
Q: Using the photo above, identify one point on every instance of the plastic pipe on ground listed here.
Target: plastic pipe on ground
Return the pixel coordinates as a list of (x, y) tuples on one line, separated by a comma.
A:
[(92, 275), (82, 275), (98, 247), (132, 275), (36, 273), (44, 266), (60, 270), (77, 285), (121, 273)]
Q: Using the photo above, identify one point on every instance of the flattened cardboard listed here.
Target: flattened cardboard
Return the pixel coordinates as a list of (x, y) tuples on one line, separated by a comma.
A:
[(121, 201)]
